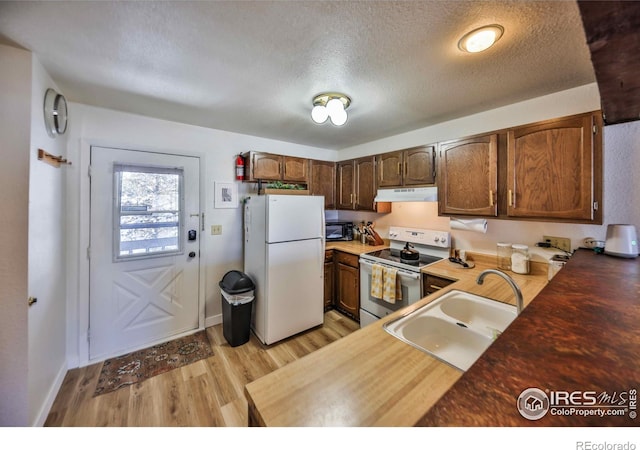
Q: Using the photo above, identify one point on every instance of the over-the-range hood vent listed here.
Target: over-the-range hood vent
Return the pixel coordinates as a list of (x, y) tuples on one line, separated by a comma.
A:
[(418, 194)]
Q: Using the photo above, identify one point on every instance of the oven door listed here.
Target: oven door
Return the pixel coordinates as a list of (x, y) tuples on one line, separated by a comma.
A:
[(372, 308)]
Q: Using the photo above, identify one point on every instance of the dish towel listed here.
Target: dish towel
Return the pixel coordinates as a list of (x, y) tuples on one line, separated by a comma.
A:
[(391, 290), (377, 275)]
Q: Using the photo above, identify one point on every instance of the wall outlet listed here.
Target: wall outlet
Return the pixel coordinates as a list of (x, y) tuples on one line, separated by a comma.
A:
[(558, 242), (216, 229)]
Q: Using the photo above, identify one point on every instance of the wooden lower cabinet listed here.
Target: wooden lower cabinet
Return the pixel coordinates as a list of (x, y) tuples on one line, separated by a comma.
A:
[(328, 280), (347, 277), (432, 283)]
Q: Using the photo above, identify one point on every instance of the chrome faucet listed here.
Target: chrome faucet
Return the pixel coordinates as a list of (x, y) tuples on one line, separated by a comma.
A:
[(508, 279)]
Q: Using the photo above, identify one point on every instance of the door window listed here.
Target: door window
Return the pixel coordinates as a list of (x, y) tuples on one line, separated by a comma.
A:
[(148, 211)]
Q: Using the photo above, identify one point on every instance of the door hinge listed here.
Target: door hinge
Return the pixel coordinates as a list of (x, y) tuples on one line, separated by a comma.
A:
[(89, 171), (88, 334), (595, 130), (595, 206), (88, 252)]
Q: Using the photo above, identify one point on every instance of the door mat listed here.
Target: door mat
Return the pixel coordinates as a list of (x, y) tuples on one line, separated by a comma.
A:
[(140, 365)]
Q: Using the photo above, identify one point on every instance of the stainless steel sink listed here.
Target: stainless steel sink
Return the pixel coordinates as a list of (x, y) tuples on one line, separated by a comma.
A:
[(455, 328)]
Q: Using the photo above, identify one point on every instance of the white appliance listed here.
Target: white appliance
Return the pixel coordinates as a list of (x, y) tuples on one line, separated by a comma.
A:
[(432, 246), (622, 241), (418, 194), (284, 256)]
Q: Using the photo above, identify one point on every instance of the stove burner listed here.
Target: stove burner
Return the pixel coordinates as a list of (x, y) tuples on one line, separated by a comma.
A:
[(393, 255)]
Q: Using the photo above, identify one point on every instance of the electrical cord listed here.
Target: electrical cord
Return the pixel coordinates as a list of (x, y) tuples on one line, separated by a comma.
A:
[(548, 245)]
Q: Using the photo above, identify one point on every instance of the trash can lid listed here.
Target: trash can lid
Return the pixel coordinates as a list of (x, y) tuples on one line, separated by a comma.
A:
[(236, 282)]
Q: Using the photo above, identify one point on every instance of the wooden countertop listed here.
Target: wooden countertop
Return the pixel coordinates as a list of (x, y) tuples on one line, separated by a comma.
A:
[(370, 378), (580, 334), (354, 247)]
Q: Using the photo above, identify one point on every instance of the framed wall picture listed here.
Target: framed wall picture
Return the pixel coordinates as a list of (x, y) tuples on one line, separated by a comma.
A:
[(226, 195)]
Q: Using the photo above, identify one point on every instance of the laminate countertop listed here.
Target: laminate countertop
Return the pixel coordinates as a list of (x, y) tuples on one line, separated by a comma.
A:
[(354, 247), (579, 335), (370, 378)]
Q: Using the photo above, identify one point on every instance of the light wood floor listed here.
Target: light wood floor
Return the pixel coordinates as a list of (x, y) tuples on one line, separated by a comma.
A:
[(209, 392)]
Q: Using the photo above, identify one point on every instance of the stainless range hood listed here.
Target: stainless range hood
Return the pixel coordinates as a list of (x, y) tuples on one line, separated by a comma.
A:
[(418, 194)]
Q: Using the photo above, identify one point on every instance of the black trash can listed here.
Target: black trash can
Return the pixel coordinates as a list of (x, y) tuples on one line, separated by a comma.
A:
[(237, 291)]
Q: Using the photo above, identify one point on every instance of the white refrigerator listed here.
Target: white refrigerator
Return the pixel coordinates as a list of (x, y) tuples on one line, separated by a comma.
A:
[(284, 256)]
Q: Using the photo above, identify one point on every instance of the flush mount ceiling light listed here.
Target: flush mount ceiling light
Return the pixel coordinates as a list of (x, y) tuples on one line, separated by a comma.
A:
[(330, 105), (481, 38)]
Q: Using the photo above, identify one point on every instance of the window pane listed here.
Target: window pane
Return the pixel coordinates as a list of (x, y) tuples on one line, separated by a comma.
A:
[(149, 211)]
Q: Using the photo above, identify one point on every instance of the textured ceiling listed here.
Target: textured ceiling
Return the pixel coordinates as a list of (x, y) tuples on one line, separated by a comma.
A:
[(253, 67)]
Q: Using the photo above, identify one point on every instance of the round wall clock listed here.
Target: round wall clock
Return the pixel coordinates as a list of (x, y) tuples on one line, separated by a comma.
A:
[(55, 113)]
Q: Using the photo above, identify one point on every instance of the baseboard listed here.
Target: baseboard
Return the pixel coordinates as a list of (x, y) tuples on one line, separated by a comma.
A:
[(41, 418), (213, 320)]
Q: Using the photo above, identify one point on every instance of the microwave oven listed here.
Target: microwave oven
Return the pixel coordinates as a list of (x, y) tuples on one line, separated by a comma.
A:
[(338, 231)]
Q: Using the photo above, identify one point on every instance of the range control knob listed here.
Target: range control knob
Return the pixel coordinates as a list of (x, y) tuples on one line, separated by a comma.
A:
[(436, 239), (443, 240)]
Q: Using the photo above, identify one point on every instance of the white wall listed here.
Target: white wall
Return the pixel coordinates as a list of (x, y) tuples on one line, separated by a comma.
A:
[(15, 91), (621, 185), (47, 250), (218, 150)]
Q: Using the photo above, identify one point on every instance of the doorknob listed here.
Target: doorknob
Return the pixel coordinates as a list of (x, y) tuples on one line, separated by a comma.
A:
[(192, 254)]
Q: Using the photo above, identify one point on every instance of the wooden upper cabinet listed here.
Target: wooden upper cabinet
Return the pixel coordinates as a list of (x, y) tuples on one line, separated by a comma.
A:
[(419, 166), (365, 184), (550, 169), (323, 181), (271, 167), (265, 166), (356, 184), (345, 184), (411, 167), (390, 169), (295, 169), (468, 176)]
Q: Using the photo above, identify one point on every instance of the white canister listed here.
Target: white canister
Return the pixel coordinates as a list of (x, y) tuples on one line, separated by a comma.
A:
[(520, 259)]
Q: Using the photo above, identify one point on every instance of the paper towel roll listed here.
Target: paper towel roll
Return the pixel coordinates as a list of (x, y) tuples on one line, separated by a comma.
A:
[(477, 225)]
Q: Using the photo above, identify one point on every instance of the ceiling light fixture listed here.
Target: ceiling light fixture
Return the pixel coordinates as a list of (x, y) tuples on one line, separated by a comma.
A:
[(330, 105), (481, 38)]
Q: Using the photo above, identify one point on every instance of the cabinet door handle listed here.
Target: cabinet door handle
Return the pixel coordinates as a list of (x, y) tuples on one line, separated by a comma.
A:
[(490, 198), (399, 168), (405, 169), (434, 287), (512, 198)]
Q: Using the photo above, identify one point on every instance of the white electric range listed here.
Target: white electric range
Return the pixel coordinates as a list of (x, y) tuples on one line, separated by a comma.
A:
[(432, 246)]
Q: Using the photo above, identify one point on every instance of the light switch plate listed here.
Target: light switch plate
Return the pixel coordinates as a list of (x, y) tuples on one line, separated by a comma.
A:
[(216, 229)]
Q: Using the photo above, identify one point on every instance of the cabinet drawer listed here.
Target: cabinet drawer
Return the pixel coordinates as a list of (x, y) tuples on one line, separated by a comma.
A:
[(431, 283), (347, 259), (328, 256)]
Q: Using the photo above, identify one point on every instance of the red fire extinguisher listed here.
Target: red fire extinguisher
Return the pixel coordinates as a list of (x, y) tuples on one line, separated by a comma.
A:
[(239, 168)]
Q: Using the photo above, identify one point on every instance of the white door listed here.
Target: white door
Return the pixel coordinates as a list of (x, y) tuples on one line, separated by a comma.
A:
[(294, 217), (295, 274), (144, 250)]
